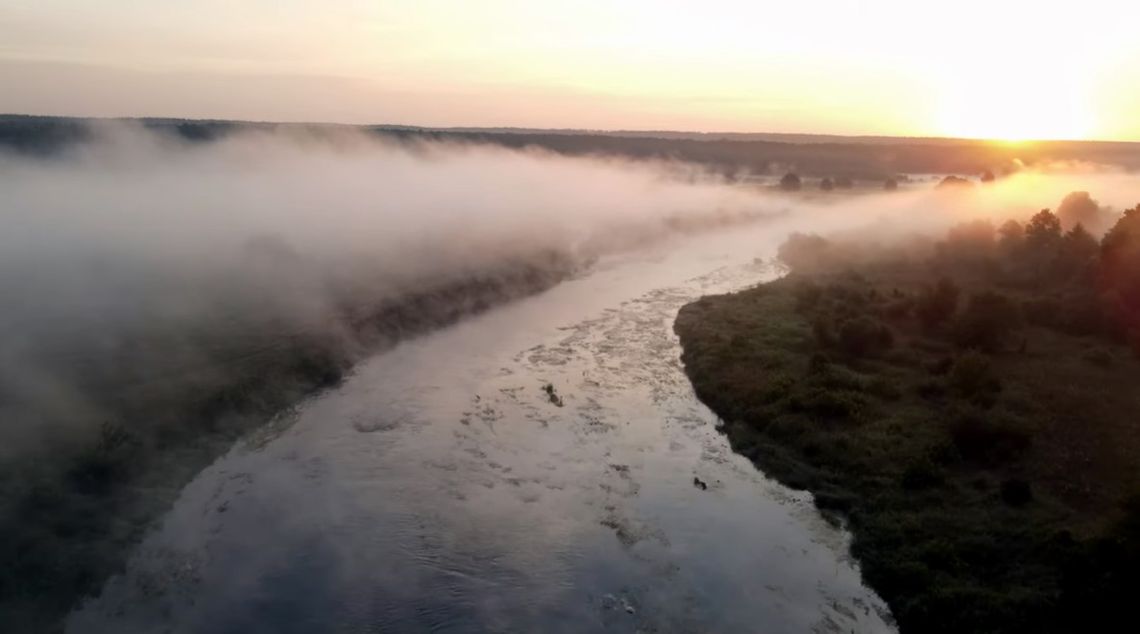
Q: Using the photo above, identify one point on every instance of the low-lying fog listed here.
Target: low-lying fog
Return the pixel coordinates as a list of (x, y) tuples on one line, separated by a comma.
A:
[(129, 257)]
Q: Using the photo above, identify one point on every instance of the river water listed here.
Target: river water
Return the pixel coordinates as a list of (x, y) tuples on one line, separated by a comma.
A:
[(442, 487)]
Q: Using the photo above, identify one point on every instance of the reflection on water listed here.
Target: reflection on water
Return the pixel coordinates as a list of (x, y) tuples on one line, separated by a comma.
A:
[(544, 467)]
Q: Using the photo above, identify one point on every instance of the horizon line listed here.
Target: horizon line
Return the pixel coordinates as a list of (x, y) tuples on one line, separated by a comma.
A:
[(567, 130)]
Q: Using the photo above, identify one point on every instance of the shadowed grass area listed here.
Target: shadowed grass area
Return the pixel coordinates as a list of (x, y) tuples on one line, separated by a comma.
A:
[(985, 467)]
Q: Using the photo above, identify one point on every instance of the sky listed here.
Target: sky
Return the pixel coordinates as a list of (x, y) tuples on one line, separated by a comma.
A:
[(994, 69)]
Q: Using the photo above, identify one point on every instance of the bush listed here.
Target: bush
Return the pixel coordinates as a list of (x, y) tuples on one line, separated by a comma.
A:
[(922, 474), (807, 296), (937, 303), (863, 336), (805, 252), (827, 403), (972, 377), (987, 321), (988, 439), (790, 182)]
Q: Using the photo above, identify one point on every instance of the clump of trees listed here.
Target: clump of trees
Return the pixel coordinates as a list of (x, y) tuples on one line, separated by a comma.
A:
[(954, 182), (1118, 275), (826, 185), (1064, 277), (1079, 209), (791, 182)]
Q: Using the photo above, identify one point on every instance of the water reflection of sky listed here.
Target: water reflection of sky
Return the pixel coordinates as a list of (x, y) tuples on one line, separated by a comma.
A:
[(440, 489)]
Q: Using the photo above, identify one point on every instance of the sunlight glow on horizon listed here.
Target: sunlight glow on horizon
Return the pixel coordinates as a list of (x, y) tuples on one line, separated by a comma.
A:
[(1013, 70)]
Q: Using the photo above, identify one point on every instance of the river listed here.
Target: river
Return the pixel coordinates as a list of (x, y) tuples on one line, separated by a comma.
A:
[(444, 487)]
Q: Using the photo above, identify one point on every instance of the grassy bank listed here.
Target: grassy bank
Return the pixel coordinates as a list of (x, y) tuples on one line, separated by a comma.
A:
[(977, 428)]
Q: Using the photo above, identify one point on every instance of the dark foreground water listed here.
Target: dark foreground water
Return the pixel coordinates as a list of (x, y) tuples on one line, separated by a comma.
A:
[(441, 488)]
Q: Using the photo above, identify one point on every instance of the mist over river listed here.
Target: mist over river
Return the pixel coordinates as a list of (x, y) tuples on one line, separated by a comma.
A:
[(443, 486)]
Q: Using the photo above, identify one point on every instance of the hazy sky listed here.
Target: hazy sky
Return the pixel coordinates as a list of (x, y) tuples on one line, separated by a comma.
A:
[(1006, 69)]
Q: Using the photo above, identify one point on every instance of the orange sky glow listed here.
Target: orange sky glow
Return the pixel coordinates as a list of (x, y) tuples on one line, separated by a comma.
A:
[(1011, 70)]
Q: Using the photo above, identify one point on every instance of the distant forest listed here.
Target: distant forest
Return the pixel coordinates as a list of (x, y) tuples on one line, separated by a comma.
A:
[(735, 155)]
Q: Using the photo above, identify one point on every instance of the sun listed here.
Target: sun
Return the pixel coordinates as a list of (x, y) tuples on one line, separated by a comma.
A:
[(1018, 104)]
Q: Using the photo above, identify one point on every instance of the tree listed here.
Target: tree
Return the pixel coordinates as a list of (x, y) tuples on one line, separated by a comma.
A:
[(790, 182), (1078, 208), (863, 336), (987, 321), (1043, 241), (1043, 230), (954, 183), (987, 177), (890, 184), (937, 303), (1011, 238), (972, 240), (1079, 249), (805, 251), (826, 185), (1118, 272)]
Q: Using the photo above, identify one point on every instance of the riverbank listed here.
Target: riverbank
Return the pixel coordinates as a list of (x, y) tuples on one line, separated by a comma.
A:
[(988, 487), (70, 516)]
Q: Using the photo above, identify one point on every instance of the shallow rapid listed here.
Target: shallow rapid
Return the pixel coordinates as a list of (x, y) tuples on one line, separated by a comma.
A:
[(542, 467)]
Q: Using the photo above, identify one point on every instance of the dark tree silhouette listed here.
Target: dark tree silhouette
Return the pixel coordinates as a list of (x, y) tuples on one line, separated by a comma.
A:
[(790, 182), (890, 184), (1079, 249), (1119, 273), (1011, 238), (987, 176), (1043, 231), (826, 185), (954, 182)]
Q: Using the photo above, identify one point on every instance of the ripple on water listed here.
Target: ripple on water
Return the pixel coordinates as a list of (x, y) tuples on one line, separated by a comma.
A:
[(449, 486)]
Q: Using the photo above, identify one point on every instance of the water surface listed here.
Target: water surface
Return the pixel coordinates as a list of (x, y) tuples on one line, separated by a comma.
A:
[(442, 487)]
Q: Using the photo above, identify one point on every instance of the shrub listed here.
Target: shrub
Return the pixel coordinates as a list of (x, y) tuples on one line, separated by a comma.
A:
[(806, 251), (807, 296), (972, 377), (790, 182), (937, 303), (863, 336), (954, 182), (921, 474), (987, 321), (827, 403), (988, 439), (824, 335)]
